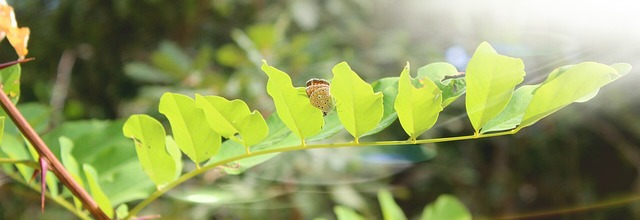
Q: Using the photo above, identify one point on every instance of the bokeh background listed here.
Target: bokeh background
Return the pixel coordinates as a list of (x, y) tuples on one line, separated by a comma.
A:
[(109, 59)]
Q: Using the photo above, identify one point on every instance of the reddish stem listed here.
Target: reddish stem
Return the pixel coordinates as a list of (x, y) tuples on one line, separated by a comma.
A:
[(63, 175)]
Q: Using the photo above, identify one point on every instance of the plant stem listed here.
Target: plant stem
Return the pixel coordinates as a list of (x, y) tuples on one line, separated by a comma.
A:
[(58, 199), (29, 163), (302, 146), (63, 175)]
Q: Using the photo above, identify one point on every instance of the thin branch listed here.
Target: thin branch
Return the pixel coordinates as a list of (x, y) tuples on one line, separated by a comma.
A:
[(29, 163), (63, 175), (196, 172), (57, 199), (61, 85)]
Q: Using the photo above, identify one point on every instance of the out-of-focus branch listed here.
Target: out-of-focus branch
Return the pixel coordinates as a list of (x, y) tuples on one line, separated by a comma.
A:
[(61, 85)]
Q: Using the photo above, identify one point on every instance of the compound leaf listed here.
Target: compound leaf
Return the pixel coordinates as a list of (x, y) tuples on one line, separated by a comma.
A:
[(490, 80), (358, 107)]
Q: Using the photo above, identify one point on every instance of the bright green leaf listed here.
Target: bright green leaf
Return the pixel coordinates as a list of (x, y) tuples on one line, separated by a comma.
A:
[(233, 119), (279, 136), (389, 89), (122, 211), (512, 114), (390, 210), (96, 191), (331, 127), (10, 79), (490, 81), (70, 163), (292, 104), (193, 135), (417, 108), (344, 213), (176, 154), (358, 107), (566, 85), (451, 88), (446, 207), (149, 137)]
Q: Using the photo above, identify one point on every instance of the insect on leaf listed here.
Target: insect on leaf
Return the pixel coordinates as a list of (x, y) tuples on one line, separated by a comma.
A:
[(292, 104)]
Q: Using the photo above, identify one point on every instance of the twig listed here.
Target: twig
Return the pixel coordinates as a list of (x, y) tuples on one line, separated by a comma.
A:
[(63, 175)]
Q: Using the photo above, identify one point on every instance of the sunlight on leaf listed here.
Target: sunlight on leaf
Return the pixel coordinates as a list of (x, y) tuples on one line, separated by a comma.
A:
[(446, 207), (417, 108), (390, 210), (389, 89), (566, 85), (292, 104), (191, 132), (358, 107), (96, 191), (175, 153), (490, 80), (233, 119), (512, 114), (451, 88), (149, 137)]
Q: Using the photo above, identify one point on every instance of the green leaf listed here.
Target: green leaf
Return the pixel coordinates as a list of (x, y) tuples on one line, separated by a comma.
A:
[(148, 74), (358, 107), (149, 137), (171, 59), (193, 135), (96, 191), (2, 128), (15, 148), (451, 89), (512, 114), (417, 108), (446, 207), (122, 211), (279, 136), (490, 81), (389, 89), (390, 210), (10, 78), (233, 119), (176, 154), (70, 163), (111, 154), (331, 127), (344, 213), (566, 85), (292, 104)]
